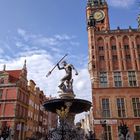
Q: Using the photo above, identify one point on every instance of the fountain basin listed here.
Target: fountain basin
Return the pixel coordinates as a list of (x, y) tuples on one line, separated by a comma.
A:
[(77, 105)]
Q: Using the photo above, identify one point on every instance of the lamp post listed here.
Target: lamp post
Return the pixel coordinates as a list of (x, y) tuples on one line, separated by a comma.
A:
[(123, 129)]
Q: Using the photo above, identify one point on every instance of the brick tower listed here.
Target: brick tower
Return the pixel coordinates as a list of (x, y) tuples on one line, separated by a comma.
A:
[(114, 67)]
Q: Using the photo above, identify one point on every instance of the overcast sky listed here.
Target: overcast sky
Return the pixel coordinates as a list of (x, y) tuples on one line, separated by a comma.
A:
[(42, 31)]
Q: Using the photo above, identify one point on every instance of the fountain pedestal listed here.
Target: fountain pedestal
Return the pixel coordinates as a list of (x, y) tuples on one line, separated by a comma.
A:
[(67, 106)]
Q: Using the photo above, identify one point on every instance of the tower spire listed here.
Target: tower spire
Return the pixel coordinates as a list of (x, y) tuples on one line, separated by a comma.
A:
[(24, 66), (24, 69)]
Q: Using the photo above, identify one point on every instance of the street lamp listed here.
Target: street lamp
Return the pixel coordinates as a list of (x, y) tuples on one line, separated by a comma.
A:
[(123, 129)]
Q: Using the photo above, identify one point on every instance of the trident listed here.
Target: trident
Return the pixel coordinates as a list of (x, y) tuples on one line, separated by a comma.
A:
[(49, 73)]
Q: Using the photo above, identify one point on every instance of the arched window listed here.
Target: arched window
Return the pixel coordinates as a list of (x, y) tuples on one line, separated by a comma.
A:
[(113, 43), (101, 54), (126, 42)]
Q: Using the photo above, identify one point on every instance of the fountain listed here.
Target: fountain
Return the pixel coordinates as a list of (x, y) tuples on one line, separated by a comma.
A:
[(66, 107)]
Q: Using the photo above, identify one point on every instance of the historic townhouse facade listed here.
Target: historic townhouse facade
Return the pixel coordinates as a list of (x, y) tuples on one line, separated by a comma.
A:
[(14, 101), (21, 106), (37, 116), (31, 110), (114, 67)]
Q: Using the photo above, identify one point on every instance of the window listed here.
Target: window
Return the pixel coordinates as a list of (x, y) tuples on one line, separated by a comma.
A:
[(128, 57), (101, 48), (138, 46), (139, 56), (113, 47), (114, 57), (126, 47), (108, 132), (132, 78), (136, 107), (137, 127), (117, 79), (103, 79), (121, 107), (105, 108), (101, 58)]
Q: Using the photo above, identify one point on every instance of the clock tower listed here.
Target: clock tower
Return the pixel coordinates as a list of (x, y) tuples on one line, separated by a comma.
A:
[(97, 11), (114, 68)]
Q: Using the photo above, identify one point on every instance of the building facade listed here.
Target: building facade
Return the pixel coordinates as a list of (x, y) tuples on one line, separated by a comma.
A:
[(52, 119), (37, 116), (114, 67), (31, 122), (22, 114), (39, 121), (14, 101)]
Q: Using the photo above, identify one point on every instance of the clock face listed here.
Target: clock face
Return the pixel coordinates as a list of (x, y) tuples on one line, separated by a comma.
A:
[(99, 15)]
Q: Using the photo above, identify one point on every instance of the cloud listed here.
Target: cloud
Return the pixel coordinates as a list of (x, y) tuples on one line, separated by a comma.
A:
[(37, 39), (82, 84), (26, 36), (21, 32), (121, 3), (63, 37), (45, 41), (75, 43), (19, 44)]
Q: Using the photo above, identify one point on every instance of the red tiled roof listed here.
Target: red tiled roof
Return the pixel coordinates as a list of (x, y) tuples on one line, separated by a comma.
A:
[(14, 75)]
